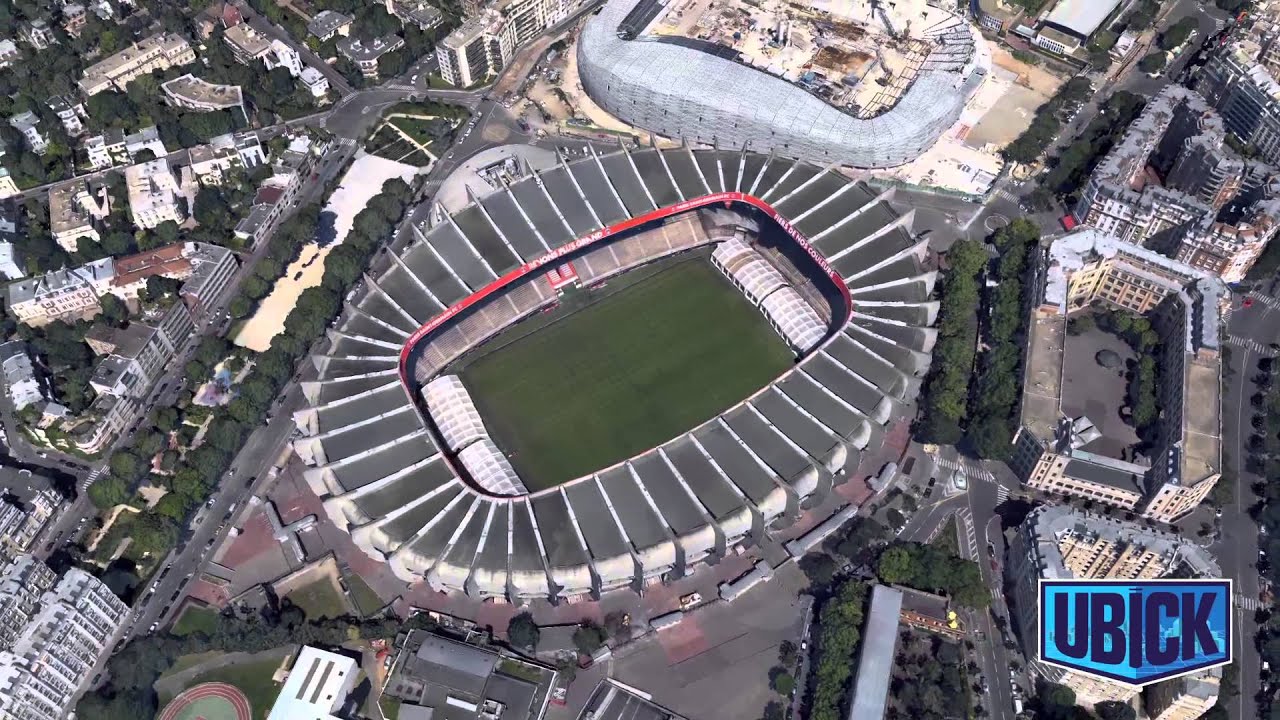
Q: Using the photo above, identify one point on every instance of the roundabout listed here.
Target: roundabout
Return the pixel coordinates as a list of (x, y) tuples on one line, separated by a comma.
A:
[(209, 701)]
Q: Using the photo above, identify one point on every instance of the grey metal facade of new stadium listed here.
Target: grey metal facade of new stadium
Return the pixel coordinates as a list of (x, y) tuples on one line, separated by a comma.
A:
[(679, 90), (389, 479)]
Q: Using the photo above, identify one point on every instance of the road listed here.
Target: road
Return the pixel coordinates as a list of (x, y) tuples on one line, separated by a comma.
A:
[(336, 81), (1237, 547)]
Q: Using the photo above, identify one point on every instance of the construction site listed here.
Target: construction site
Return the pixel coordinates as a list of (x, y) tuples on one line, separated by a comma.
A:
[(860, 56)]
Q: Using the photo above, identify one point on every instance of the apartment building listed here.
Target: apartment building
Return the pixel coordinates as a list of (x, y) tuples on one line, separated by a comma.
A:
[(49, 646), (1061, 450), (70, 293), (37, 34), (212, 269), (418, 12), (9, 53), (153, 194), (1173, 182), (485, 43), (158, 52), (115, 148), (315, 81), (141, 352), (210, 163), (328, 24), (27, 503), (1184, 698), (28, 124), (1246, 94), (193, 93), (1057, 542), (367, 54), (20, 381), (70, 112), (73, 210), (247, 45)]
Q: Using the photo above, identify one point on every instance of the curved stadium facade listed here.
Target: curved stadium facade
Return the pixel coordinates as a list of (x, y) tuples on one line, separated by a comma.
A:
[(401, 455), (697, 90)]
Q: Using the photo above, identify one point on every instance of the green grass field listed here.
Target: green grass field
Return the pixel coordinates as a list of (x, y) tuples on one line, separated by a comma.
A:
[(193, 619), (320, 599), (636, 367)]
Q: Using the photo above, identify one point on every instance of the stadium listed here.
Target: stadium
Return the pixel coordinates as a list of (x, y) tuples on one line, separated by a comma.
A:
[(689, 88), (611, 371)]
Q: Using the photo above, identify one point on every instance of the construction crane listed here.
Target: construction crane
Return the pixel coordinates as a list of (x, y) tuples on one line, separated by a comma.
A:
[(877, 6)]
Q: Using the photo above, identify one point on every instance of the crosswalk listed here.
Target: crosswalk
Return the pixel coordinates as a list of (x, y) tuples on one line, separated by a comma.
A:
[(970, 469), (1002, 494), (1247, 603), (1267, 300), (1248, 344), (968, 537), (88, 480), (1005, 194)]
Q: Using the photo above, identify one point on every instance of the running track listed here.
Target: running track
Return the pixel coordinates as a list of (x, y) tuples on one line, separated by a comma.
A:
[(206, 690)]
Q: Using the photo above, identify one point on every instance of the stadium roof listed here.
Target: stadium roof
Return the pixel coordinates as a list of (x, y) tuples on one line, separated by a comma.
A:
[(1081, 16), (697, 90), (386, 481)]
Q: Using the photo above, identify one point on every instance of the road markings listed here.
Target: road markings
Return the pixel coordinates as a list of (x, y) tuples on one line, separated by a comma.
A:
[(1267, 300), (91, 477), (1247, 603), (1001, 192), (970, 469), (969, 536), (1002, 494), (1247, 343)]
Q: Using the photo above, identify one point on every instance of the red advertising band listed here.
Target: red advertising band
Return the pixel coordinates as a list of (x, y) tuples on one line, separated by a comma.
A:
[(599, 235)]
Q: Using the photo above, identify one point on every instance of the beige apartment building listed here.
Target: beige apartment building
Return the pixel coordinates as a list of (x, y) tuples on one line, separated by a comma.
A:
[(1059, 448), (1057, 542), (1184, 698), (158, 52)]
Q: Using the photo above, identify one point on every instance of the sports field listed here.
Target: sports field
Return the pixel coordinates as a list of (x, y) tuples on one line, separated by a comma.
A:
[(630, 370)]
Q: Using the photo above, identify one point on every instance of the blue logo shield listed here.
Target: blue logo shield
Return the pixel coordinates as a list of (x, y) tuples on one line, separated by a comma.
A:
[(1135, 631)]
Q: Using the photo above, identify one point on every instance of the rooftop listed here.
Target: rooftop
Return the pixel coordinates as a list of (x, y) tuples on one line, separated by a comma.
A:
[(1081, 17), (317, 685), (359, 51), (326, 22), (245, 39), (1050, 524), (871, 687), (106, 70), (97, 272), (193, 90), (167, 260), (459, 681)]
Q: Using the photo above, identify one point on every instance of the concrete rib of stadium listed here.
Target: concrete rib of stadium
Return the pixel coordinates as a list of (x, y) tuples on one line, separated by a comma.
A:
[(463, 524)]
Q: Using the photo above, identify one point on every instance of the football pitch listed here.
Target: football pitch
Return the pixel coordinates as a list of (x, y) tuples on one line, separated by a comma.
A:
[(631, 370)]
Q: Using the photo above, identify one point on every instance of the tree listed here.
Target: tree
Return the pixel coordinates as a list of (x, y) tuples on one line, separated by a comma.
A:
[(819, 568), (1224, 491), (108, 492), (114, 312), (1153, 63), (894, 566), (126, 466), (522, 632), (589, 637), (1113, 710), (1177, 34), (773, 710), (781, 681), (618, 624), (172, 506), (787, 653)]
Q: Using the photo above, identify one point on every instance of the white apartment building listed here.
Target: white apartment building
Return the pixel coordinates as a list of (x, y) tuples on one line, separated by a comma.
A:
[(20, 381), (317, 686), (210, 163), (70, 112), (28, 124), (72, 212), (484, 44), (315, 81), (158, 52), (153, 194), (27, 503), (56, 641), (10, 263), (67, 293)]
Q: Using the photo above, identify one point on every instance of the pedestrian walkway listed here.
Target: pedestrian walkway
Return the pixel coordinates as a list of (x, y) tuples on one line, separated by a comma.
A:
[(92, 476), (1002, 193), (1248, 344), (968, 536), (1247, 603), (970, 468), (1267, 300)]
